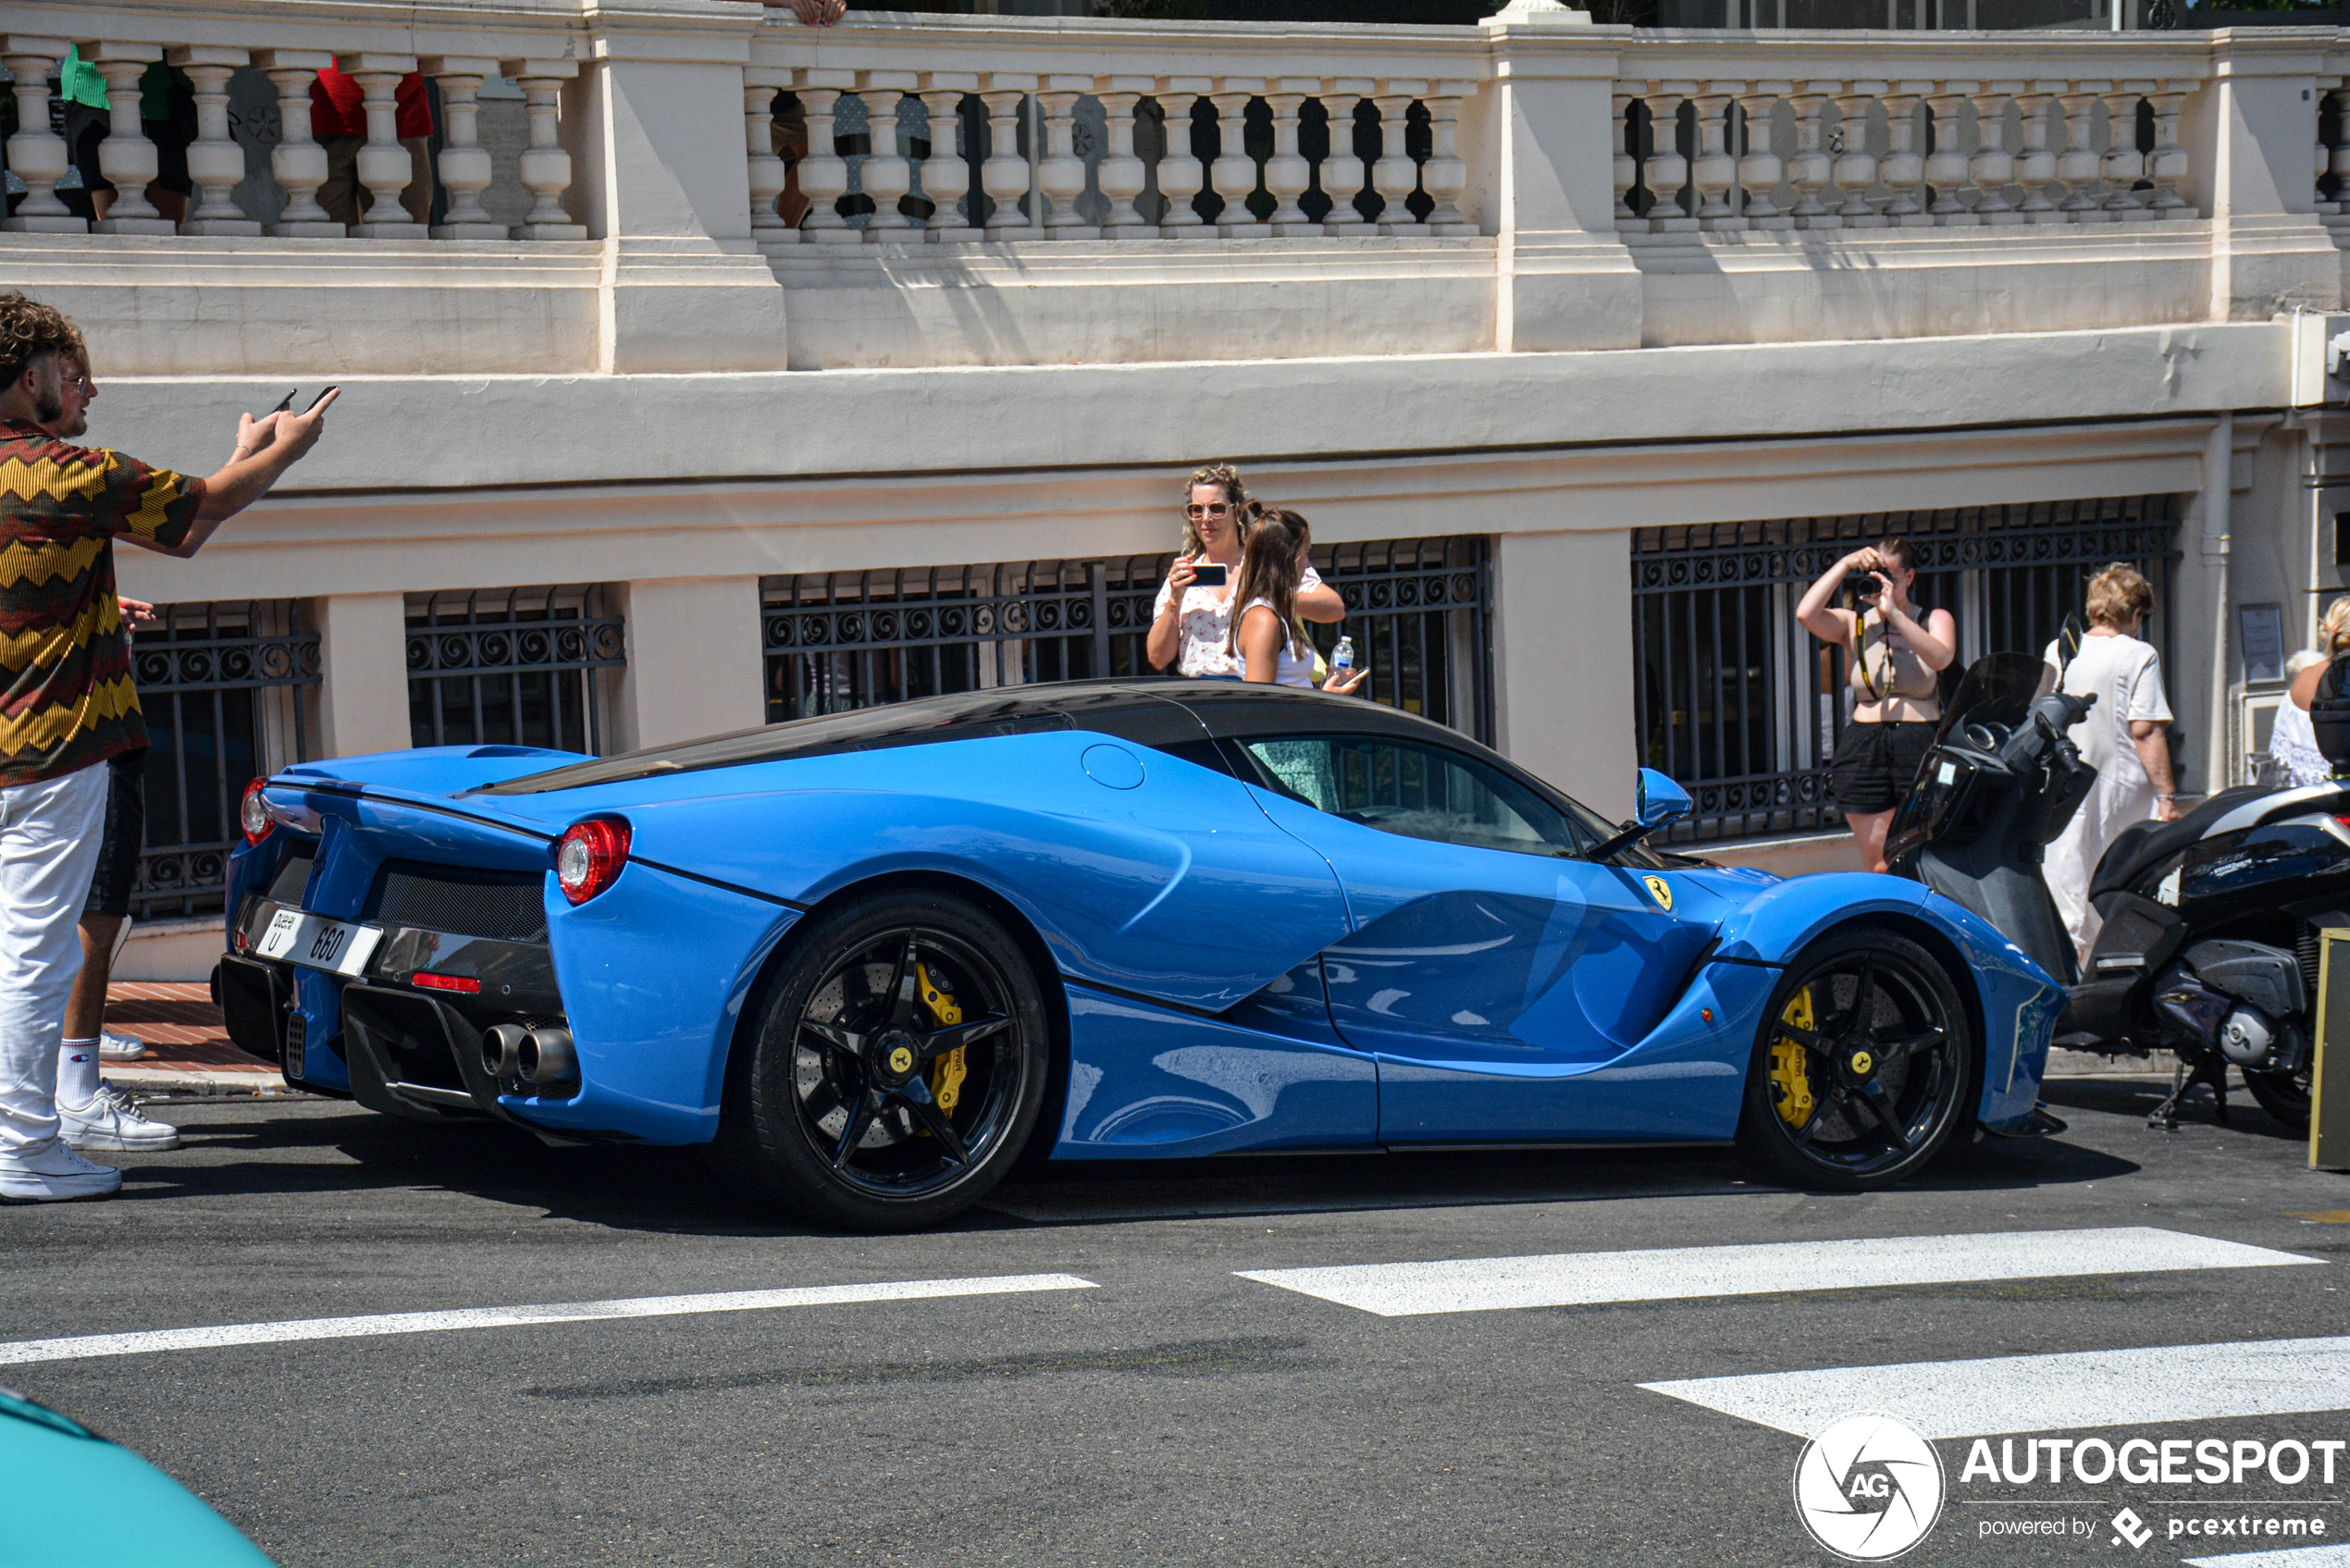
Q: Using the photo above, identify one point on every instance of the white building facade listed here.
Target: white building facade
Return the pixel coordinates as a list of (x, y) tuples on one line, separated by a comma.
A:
[(1583, 349)]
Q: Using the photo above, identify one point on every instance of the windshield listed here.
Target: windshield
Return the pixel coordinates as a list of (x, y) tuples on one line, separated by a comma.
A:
[(1997, 690)]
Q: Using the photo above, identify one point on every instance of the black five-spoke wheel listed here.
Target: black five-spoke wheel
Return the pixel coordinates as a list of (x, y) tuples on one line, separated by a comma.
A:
[(1864, 1067), (900, 1064)]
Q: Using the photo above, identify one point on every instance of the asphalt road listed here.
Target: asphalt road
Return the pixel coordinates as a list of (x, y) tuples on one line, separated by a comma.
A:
[(1176, 1412)]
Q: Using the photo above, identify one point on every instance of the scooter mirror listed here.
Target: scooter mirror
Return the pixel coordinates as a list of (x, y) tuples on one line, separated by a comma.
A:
[(2068, 640)]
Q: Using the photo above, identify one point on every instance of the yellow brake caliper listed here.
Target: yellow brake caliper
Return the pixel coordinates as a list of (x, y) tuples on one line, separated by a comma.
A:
[(1787, 1063), (946, 1080)]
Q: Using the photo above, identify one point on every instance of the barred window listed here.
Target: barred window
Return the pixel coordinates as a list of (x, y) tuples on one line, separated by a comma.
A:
[(1744, 708), (1416, 609), (838, 640), (510, 667), (222, 688)]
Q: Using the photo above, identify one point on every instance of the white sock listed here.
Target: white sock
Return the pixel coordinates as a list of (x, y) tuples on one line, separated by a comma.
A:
[(77, 1072)]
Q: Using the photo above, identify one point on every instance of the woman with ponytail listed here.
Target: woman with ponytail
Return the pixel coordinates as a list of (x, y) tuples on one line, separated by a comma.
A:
[(1265, 636)]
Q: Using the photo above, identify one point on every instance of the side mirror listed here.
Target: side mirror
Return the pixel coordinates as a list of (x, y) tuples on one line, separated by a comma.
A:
[(1658, 800)]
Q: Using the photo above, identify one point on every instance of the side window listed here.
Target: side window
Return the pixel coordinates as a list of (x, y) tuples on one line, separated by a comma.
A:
[(1416, 791)]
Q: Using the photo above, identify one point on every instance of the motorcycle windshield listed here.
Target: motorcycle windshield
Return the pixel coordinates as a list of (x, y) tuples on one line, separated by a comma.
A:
[(1998, 686)]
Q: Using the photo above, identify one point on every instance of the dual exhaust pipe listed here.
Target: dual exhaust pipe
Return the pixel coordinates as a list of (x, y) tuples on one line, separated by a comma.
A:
[(535, 1054)]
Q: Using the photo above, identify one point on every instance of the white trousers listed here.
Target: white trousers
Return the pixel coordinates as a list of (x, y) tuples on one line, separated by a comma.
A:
[(49, 837)]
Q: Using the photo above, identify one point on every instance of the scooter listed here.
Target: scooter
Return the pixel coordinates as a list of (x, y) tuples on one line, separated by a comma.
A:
[(2209, 942)]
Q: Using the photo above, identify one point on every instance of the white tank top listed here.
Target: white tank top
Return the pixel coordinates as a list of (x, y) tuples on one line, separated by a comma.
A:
[(1291, 671)]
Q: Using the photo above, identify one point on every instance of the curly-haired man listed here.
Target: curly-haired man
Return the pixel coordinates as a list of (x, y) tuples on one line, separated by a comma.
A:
[(69, 705)]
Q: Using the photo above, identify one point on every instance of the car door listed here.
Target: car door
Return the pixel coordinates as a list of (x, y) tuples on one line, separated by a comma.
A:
[(1491, 961)]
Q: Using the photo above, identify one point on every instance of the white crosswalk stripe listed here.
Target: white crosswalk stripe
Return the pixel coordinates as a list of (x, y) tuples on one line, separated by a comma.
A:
[(1404, 1290), (2043, 1393), (2292, 1557), (86, 1345)]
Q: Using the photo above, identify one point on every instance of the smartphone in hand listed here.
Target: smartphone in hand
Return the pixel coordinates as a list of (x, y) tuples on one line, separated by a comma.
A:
[(285, 403), (317, 401), (1208, 575)]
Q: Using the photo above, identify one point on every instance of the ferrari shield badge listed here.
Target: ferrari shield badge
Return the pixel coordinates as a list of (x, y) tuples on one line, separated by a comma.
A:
[(1661, 890)]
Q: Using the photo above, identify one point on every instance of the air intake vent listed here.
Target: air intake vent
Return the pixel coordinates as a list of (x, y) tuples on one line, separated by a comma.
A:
[(506, 905), (293, 876)]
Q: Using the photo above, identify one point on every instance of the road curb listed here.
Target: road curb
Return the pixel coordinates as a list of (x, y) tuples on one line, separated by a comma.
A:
[(2094, 1064), (196, 1080)]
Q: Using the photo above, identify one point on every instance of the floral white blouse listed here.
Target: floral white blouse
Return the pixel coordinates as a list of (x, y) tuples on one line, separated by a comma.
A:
[(1207, 627)]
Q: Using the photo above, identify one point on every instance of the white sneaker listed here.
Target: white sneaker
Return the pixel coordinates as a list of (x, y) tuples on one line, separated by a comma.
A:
[(116, 1046), (111, 1121), (50, 1173)]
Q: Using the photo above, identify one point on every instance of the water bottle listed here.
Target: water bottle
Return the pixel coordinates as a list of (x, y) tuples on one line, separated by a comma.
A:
[(1343, 662)]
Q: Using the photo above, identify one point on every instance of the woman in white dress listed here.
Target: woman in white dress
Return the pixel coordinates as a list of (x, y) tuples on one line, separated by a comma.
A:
[(2292, 742), (1191, 621), (2121, 737)]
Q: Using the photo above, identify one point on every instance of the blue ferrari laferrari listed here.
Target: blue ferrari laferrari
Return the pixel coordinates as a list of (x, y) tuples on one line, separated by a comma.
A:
[(872, 958)]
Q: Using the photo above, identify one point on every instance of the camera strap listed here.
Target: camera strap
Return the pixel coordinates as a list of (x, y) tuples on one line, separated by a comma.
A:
[(1860, 653)]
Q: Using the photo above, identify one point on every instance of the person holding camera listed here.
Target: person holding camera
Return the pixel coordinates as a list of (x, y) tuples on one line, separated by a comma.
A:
[(1896, 651), (1191, 621)]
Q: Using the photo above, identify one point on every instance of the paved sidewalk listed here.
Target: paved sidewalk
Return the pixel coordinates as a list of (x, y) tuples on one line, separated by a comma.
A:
[(188, 1048)]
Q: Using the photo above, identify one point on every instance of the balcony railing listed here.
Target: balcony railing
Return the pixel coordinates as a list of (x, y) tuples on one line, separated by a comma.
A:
[(1535, 183), (536, 45)]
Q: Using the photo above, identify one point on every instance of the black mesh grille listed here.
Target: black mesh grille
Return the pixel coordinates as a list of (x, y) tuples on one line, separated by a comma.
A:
[(503, 905), (2305, 952), (293, 878)]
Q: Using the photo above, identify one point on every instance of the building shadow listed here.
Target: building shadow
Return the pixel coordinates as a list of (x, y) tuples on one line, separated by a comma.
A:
[(320, 1147)]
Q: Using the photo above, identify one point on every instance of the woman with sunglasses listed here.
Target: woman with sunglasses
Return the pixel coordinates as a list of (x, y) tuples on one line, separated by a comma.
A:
[(1191, 623)]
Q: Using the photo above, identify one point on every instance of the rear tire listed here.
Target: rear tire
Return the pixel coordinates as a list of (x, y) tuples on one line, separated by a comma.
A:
[(900, 1066), (1865, 1067), (2283, 1096)]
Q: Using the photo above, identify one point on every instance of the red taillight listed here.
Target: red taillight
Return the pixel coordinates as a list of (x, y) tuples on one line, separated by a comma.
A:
[(466, 983), (589, 856), (253, 813)]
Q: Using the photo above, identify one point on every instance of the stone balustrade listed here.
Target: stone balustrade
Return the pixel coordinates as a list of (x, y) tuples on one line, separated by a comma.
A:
[(1188, 133), (1836, 149), (532, 43), (985, 190)]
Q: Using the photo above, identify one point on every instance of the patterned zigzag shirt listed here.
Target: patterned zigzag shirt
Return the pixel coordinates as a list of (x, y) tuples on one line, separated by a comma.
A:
[(71, 700)]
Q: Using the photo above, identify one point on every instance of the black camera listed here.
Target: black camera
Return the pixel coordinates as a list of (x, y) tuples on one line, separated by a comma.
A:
[(1860, 585)]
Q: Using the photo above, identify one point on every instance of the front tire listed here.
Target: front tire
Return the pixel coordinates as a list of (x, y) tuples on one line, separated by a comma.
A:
[(1865, 1067), (900, 1062)]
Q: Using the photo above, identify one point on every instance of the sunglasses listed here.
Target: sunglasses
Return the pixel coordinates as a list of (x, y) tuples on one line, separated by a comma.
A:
[(1213, 509)]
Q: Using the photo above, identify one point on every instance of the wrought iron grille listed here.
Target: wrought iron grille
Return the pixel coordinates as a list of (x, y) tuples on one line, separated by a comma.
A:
[(1744, 708), (513, 666), (221, 688), (1418, 610), (839, 640)]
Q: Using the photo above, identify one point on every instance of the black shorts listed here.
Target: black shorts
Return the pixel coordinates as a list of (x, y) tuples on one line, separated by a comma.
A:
[(1874, 763), (126, 837), (85, 128)]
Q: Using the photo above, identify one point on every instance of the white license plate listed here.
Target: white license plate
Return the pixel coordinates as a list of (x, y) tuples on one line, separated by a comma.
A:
[(319, 943)]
